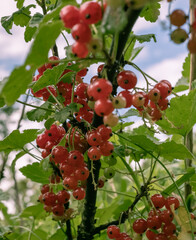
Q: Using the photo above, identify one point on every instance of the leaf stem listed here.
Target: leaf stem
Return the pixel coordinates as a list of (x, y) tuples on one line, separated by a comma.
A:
[(37, 107)]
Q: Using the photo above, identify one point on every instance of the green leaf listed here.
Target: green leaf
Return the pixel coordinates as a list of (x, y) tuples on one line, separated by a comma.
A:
[(57, 235), (50, 77), (32, 26), (44, 40), (29, 33), (186, 67), (181, 85), (129, 47), (135, 52), (17, 140), (40, 114), (19, 3), (22, 16), (186, 177), (66, 112), (36, 173), (16, 85), (33, 211), (130, 113), (49, 122), (171, 150), (18, 156), (145, 38), (181, 116), (7, 23), (151, 11), (122, 126), (35, 20)]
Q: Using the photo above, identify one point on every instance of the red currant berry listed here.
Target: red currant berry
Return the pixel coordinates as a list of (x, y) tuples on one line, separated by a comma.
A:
[(103, 107), (158, 200), (150, 234), (90, 12), (105, 131), (58, 210), (75, 158), (81, 33), (170, 201), (161, 236), (127, 79), (80, 49), (59, 154), (63, 197), (140, 226), (166, 216), (79, 193), (154, 222), (113, 232), (107, 148), (70, 16), (169, 229), (81, 173), (94, 153), (49, 198)]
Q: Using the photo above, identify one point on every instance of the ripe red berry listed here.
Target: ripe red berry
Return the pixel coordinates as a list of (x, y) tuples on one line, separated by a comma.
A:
[(127, 79), (107, 148), (158, 200), (154, 222), (80, 50), (164, 89), (90, 12), (113, 232), (161, 236), (59, 154), (150, 235), (81, 33), (63, 197), (58, 210), (49, 198), (105, 131), (140, 226), (94, 153), (70, 182), (166, 216), (81, 173), (79, 193), (94, 138), (169, 229), (103, 107), (70, 16), (170, 201), (75, 158), (101, 88), (45, 188)]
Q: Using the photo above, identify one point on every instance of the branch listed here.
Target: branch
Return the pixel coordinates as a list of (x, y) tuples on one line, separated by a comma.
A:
[(124, 215)]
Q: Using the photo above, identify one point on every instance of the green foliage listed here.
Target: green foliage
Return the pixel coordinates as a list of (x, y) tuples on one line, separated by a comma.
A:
[(36, 211), (151, 11), (41, 113), (50, 77), (186, 67), (19, 3), (181, 116), (19, 18), (17, 140), (36, 173)]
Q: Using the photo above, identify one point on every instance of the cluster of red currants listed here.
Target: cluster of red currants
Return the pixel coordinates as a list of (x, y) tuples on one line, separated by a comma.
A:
[(79, 20), (178, 18), (159, 225)]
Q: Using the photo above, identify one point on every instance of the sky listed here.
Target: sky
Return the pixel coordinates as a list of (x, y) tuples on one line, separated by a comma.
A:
[(161, 60)]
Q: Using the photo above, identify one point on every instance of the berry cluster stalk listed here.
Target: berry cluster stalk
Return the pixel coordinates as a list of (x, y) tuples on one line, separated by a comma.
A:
[(86, 229)]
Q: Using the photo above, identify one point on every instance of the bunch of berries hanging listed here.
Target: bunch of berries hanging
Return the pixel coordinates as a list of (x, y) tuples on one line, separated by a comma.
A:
[(79, 21)]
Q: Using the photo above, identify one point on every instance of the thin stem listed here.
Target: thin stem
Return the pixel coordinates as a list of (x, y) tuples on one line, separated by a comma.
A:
[(23, 111), (32, 155), (37, 107), (65, 38), (56, 100)]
